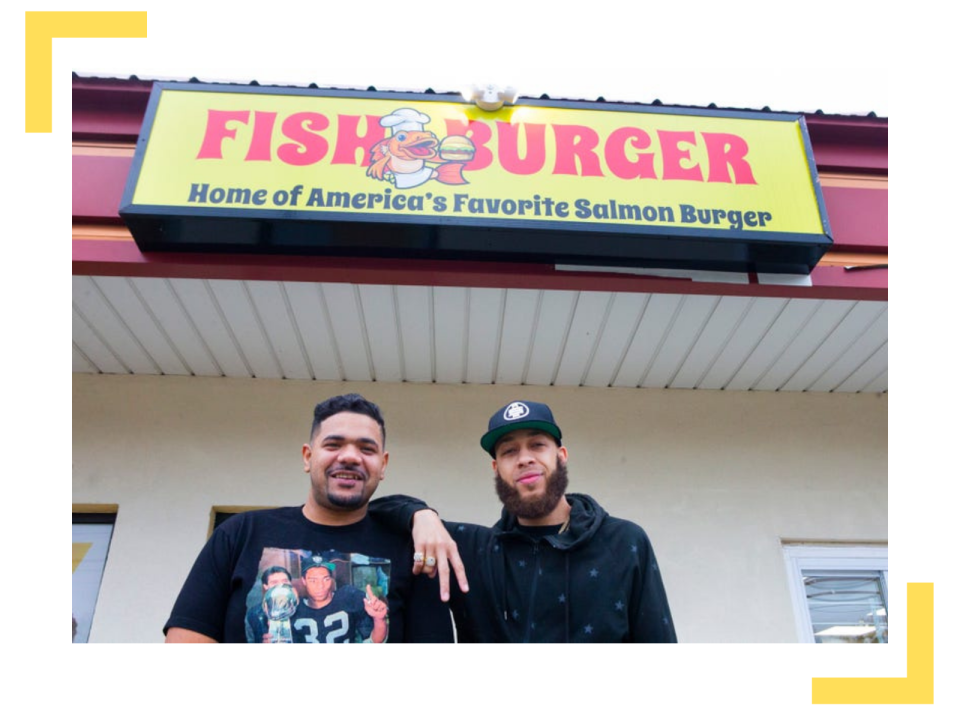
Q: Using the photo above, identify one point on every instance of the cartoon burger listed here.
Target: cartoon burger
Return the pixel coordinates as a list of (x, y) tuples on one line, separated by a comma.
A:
[(457, 148)]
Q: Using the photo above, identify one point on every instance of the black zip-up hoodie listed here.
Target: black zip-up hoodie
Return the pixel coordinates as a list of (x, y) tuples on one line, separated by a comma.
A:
[(598, 581)]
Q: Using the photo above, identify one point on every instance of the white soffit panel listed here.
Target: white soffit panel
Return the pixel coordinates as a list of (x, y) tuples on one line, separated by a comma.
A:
[(519, 323), (773, 343), (211, 326), (415, 318), (654, 326), (688, 323), (805, 342), (177, 325), (760, 316), (349, 329), (339, 331), (312, 320), (620, 325), (380, 317), (726, 317), (589, 320), (837, 347), (274, 311), (96, 310), (483, 333), (450, 333), (123, 296), (550, 336)]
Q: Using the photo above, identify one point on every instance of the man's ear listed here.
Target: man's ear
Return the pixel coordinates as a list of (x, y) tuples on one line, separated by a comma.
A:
[(386, 459), (307, 453), (562, 452)]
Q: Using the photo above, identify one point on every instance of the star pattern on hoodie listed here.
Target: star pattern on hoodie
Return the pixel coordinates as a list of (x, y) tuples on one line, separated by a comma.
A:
[(594, 573), (619, 605)]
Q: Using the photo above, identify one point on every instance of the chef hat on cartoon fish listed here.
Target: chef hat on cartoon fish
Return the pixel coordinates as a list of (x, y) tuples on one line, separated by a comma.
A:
[(405, 119)]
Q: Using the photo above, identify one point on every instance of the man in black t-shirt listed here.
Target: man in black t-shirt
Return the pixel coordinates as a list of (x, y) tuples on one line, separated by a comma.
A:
[(346, 460)]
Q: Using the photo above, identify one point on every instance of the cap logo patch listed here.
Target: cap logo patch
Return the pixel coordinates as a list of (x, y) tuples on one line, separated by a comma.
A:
[(515, 411)]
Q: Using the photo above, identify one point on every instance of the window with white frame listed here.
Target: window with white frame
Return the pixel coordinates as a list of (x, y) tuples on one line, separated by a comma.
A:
[(839, 592)]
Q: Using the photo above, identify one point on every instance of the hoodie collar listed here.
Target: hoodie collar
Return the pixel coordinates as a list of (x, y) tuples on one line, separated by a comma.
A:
[(586, 516)]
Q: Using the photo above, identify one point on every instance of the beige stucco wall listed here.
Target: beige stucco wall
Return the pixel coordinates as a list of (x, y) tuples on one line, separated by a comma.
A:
[(716, 478)]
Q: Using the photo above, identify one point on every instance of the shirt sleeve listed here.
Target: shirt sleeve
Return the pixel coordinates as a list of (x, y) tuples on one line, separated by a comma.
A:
[(202, 603), (396, 512), (652, 622)]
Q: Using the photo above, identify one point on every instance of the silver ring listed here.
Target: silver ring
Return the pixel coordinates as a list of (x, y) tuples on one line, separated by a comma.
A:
[(418, 557), (431, 561)]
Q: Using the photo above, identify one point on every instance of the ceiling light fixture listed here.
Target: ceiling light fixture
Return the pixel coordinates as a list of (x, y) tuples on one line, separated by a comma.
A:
[(490, 97)]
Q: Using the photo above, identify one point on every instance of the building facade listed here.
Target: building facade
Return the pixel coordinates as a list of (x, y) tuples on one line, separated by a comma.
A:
[(741, 419)]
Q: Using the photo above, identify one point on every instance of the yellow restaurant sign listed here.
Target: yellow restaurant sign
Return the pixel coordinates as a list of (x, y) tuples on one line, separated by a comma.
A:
[(651, 181)]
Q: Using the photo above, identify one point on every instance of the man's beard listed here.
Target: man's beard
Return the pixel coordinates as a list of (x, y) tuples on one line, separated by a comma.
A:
[(531, 508), (346, 500)]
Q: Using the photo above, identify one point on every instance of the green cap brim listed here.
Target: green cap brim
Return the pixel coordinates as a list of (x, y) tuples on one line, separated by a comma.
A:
[(489, 441)]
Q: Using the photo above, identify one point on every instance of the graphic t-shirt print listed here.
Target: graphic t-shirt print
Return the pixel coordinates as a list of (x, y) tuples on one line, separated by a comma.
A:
[(306, 596)]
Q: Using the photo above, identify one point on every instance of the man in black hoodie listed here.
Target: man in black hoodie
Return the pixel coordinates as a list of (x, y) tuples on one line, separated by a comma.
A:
[(556, 567)]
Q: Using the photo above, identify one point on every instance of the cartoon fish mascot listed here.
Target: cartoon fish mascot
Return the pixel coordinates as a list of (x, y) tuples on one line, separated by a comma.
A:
[(402, 158)]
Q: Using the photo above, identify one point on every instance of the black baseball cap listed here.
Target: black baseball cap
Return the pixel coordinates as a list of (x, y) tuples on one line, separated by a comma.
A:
[(316, 561), (518, 415)]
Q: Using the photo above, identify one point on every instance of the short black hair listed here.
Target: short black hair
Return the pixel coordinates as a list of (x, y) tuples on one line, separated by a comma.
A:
[(273, 570), (351, 402)]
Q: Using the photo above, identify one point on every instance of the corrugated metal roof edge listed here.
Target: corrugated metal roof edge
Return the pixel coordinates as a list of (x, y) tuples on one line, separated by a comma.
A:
[(871, 115)]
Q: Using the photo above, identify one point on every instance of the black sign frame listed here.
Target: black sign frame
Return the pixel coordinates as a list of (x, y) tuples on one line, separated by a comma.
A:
[(158, 228)]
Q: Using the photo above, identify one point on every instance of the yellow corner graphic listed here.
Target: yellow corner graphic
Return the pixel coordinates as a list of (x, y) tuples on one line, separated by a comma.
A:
[(916, 688), (41, 28)]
